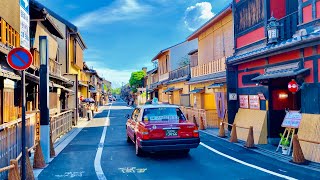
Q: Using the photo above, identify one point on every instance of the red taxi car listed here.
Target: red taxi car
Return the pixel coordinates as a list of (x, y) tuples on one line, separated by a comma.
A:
[(161, 127)]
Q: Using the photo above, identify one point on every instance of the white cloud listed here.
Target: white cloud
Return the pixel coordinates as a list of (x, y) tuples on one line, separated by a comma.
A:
[(197, 15), (115, 76), (121, 10)]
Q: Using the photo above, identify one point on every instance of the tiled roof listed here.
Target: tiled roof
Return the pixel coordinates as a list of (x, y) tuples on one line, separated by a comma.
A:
[(208, 77), (196, 91), (215, 85), (314, 36), (152, 71), (184, 78), (285, 70), (168, 90)]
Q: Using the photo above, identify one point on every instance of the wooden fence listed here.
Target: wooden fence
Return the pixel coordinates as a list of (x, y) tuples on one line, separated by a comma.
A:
[(209, 117), (10, 139), (61, 124)]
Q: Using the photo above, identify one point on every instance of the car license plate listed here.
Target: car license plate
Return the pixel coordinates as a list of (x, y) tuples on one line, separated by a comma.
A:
[(171, 132)]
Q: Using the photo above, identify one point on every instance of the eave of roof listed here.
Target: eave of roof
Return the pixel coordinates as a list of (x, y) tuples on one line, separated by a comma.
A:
[(289, 44), (71, 26), (193, 51), (165, 50), (46, 19), (210, 22)]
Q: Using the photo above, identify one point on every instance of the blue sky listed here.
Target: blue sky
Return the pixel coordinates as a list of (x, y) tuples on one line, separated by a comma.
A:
[(124, 35)]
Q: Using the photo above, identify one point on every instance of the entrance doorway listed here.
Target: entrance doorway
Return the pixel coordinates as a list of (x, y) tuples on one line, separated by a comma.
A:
[(280, 100)]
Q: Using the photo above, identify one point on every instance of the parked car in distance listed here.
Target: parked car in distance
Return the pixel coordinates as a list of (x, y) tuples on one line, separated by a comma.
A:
[(162, 127)]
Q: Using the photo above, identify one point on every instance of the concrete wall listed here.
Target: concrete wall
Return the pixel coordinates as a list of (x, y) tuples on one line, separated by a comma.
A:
[(10, 12)]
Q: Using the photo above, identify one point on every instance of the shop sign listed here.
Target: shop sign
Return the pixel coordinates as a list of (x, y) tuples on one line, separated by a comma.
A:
[(24, 24), (292, 119), (254, 102), (244, 101), (261, 96), (232, 96)]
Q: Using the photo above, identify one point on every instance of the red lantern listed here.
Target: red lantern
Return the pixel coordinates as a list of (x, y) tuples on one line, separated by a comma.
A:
[(293, 86)]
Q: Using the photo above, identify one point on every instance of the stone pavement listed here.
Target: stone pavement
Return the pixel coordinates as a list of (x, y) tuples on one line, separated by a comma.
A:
[(265, 149)]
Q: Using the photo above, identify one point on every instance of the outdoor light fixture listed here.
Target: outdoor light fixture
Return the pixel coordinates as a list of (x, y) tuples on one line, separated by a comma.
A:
[(283, 96), (273, 31), (43, 51)]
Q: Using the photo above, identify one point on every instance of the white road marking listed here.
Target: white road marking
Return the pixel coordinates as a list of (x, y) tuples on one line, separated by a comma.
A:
[(127, 170), (71, 174), (246, 164), (97, 159)]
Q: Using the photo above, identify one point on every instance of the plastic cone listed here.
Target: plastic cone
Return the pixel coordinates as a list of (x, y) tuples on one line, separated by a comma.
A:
[(38, 161), (29, 174), (222, 132), (234, 137), (298, 156), (250, 139), (14, 172)]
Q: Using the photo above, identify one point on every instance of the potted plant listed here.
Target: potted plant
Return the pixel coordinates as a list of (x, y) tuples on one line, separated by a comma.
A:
[(285, 143)]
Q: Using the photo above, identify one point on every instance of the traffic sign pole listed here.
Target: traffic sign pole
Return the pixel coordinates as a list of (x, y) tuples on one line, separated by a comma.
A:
[(23, 133), (20, 59)]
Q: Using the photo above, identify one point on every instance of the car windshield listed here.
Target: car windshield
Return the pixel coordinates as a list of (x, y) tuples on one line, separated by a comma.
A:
[(163, 115)]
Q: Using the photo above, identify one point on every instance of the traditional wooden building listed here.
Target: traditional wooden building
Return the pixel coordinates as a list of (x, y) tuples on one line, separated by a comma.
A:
[(70, 55), (152, 80), (42, 24), (174, 71), (276, 41), (208, 70), (9, 79)]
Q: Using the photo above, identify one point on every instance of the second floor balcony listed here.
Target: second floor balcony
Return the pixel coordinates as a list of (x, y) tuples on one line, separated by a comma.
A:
[(83, 78), (179, 73), (54, 66), (209, 68)]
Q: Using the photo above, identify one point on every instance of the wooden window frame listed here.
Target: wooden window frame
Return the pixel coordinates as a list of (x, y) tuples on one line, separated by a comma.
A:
[(8, 35)]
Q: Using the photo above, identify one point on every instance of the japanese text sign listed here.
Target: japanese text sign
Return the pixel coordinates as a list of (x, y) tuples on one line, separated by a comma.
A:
[(244, 101), (292, 119), (254, 102)]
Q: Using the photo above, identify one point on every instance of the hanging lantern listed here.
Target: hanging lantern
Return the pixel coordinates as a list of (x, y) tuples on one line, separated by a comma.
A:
[(293, 86), (273, 30)]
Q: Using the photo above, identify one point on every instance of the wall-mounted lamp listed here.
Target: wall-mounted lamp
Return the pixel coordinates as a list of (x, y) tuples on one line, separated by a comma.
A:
[(283, 95)]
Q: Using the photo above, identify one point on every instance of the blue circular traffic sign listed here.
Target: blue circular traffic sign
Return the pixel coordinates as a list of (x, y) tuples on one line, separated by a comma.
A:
[(19, 59)]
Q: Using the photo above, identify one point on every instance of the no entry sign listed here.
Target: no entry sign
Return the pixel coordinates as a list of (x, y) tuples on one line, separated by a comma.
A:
[(19, 59)]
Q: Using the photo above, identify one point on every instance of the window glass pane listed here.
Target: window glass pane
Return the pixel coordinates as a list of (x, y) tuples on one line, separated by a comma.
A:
[(163, 115)]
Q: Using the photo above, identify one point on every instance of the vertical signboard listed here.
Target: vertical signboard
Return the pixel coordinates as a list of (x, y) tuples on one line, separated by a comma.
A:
[(254, 102), (24, 24), (244, 101)]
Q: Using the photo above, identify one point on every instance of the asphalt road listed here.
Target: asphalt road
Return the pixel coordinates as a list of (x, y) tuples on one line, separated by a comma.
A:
[(214, 159)]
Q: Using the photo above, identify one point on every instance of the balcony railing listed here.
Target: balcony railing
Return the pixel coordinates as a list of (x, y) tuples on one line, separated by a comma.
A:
[(209, 68), (181, 72), (36, 58), (10, 139), (288, 26), (61, 124), (54, 67), (154, 79), (83, 78)]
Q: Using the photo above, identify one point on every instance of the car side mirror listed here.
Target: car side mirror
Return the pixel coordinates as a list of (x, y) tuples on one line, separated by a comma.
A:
[(127, 116)]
